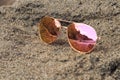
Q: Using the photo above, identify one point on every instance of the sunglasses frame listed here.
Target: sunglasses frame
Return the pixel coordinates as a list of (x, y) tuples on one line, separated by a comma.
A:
[(71, 22)]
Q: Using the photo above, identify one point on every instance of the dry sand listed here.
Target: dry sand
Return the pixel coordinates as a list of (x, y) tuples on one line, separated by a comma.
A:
[(6, 2), (23, 56)]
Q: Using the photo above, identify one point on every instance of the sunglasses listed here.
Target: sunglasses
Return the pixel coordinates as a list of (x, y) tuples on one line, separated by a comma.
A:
[(81, 37)]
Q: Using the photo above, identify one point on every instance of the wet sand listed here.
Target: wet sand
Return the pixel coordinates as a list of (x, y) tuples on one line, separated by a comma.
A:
[(23, 56)]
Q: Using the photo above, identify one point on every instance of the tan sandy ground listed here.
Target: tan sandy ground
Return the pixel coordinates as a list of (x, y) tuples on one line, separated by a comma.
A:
[(24, 57), (6, 2)]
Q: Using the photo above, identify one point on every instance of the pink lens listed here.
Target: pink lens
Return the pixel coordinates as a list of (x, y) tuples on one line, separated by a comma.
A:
[(82, 37)]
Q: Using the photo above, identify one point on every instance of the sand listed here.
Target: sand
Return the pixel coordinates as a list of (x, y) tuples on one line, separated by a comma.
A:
[(23, 56)]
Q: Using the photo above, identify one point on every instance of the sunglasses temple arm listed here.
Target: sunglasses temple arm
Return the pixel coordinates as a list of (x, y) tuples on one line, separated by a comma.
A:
[(64, 21)]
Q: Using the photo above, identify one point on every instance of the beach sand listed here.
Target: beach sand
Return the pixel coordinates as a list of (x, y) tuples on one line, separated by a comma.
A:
[(23, 56)]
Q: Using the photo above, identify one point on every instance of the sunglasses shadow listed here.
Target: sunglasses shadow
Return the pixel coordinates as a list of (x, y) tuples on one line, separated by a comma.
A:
[(60, 42), (100, 48)]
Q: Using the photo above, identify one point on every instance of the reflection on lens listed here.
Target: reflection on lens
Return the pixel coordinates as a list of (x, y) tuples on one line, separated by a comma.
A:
[(81, 37), (49, 29)]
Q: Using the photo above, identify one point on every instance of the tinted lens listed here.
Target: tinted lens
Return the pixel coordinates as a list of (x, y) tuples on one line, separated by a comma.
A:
[(81, 37), (49, 29)]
